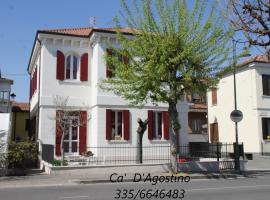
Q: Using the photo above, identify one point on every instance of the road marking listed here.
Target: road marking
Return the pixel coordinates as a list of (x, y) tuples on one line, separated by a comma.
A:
[(224, 188), (74, 197)]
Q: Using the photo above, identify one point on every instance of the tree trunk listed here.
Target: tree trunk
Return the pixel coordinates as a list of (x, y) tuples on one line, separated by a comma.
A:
[(174, 135)]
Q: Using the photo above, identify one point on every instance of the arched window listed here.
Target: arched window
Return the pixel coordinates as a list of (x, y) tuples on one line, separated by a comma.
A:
[(72, 65)]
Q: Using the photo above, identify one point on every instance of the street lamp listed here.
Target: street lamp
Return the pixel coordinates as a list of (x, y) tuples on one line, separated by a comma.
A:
[(236, 115)]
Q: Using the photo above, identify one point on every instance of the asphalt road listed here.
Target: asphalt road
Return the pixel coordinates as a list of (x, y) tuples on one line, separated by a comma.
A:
[(236, 189)]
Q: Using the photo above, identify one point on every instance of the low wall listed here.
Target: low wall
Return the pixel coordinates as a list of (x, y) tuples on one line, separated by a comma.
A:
[(85, 170), (209, 166)]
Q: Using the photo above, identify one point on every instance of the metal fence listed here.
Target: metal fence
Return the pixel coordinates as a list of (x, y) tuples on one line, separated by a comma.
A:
[(121, 154), (157, 154)]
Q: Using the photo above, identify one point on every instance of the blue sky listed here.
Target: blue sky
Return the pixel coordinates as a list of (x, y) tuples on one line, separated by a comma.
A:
[(20, 19)]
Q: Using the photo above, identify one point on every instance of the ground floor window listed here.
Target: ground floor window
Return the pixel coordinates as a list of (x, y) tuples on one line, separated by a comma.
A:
[(117, 124), (266, 128), (157, 125)]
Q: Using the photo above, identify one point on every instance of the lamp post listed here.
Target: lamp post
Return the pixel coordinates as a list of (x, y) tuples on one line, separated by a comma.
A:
[(236, 115)]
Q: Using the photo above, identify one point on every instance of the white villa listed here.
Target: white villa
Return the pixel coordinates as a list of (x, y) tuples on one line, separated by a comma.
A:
[(70, 63)]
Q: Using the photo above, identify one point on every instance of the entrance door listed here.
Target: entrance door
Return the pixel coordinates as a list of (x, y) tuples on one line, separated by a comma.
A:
[(71, 139)]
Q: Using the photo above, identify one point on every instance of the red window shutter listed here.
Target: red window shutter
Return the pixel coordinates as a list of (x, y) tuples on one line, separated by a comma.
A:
[(108, 68), (150, 124), (126, 124), (214, 96), (108, 124), (60, 65), (166, 125), (58, 135), (84, 67), (83, 130)]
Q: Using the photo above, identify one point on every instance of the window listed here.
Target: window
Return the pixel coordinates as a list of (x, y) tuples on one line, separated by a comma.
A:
[(157, 125), (121, 58), (266, 84), (71, 138), (266, 128), (4, 95), (196, 125), (117, 125), (72, 64)]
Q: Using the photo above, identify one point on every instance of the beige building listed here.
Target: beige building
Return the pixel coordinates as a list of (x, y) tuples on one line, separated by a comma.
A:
[(20, 121)]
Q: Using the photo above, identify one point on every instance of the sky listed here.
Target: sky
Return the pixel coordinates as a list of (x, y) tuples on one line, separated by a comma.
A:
[(20, 19)]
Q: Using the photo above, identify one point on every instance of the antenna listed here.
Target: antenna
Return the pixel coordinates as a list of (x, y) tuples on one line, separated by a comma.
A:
[(0, 73), (93, 21)]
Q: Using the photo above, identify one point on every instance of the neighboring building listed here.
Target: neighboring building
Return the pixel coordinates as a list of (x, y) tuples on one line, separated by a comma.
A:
[(253, 99), (197, 118), (20, 121), (5, 91), (70, 63)]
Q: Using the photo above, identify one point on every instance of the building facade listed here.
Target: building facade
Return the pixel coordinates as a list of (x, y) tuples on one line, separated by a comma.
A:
[(69, 63), (253, 99)]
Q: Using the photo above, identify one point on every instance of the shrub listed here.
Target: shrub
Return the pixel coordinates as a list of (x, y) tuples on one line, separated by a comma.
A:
[(20, 154), (59, 163)]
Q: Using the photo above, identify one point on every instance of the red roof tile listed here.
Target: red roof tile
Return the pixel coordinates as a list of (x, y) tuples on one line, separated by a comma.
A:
[(86, 31), (20, 106)]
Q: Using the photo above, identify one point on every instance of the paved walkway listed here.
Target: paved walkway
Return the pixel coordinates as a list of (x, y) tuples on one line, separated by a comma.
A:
[(90, 175)]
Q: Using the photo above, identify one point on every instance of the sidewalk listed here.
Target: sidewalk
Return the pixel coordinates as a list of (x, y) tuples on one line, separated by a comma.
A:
[(102, 175)]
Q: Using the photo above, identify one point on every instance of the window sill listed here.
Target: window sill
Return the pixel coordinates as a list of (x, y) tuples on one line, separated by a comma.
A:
[(72, 82), (118, 141), (266, 141), (266, 96), (154, 141)]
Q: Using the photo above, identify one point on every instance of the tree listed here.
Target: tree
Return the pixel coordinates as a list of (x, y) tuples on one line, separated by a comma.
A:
[(173, 51), (252, 17), (66, 117)]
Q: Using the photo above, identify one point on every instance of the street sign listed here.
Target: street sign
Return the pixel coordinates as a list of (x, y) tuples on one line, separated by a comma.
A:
[(236, 115)]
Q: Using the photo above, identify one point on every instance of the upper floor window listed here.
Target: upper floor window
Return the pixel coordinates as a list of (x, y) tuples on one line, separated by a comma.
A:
[(266, 84), (110, 69), (72, 65)]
